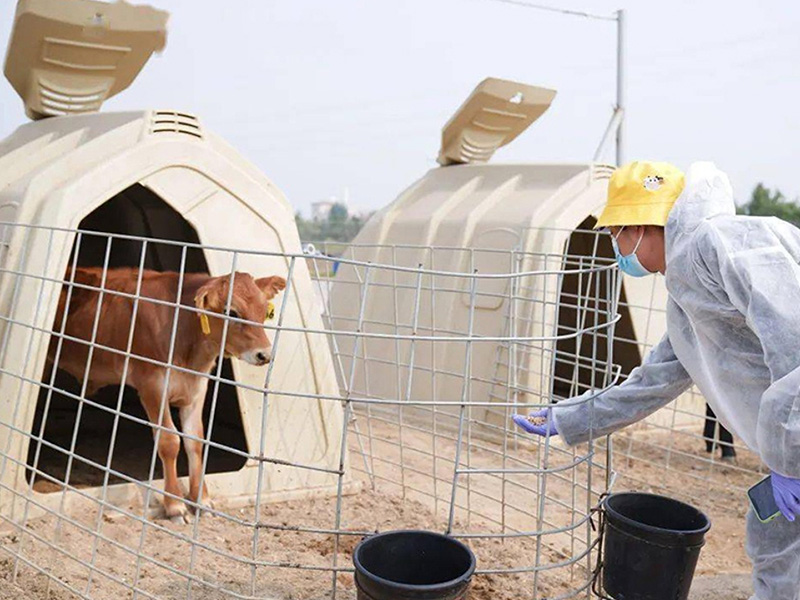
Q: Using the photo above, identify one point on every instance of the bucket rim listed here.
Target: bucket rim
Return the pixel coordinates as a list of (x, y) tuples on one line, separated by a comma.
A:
[(652, 528), (410, 587)]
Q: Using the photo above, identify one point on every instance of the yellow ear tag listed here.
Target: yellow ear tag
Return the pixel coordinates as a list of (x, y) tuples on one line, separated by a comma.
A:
[(270, 311), (204, 325)]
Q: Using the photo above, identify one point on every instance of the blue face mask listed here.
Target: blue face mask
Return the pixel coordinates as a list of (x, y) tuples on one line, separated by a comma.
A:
[(630, 264)]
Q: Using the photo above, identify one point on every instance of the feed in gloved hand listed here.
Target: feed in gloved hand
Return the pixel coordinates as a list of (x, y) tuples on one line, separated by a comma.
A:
[(538, 423)]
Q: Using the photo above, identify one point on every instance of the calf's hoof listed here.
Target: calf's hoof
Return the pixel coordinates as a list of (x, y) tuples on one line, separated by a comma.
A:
[(184, 519), (177, 513), (205, 506)]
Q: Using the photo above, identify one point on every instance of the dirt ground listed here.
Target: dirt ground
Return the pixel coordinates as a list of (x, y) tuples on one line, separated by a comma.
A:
[(717, 587), (416, 496)]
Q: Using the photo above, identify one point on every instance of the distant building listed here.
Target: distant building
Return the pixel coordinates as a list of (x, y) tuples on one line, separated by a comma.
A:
[(322, 209)]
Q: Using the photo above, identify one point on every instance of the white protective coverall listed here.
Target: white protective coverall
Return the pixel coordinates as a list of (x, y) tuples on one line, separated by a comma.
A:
[(733, 329)]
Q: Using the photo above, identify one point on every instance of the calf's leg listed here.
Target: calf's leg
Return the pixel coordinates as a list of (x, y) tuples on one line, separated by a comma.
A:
[(169, 444), (192, 425)]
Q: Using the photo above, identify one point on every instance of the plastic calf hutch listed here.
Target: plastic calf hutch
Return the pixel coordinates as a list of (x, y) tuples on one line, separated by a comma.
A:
[(137, 175)]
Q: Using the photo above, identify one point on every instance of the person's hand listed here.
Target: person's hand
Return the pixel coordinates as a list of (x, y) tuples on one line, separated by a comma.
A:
[(787, 495), (547, 427)]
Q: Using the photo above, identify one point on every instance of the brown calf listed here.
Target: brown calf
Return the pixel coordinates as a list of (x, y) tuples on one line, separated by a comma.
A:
[(196, 347)]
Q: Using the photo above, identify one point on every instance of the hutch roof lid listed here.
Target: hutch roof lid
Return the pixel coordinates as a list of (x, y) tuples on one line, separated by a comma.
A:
[(493, 115), (69, 57)]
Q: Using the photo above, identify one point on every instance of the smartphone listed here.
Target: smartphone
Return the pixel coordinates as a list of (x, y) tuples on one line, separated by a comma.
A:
[(763, 501)]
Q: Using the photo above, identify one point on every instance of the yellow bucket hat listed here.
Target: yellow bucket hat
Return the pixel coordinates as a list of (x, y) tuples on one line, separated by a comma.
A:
[(641, 193)]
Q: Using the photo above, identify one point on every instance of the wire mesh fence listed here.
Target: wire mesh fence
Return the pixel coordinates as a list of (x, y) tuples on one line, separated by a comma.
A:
[(474, 336), (167, 433), (682, 450)]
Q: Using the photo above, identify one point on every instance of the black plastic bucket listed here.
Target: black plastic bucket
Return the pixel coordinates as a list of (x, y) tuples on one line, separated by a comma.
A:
[(412, 565), (650, 547)]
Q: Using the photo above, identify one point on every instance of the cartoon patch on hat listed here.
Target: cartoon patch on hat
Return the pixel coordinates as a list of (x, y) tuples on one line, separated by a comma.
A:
[(653, 182)]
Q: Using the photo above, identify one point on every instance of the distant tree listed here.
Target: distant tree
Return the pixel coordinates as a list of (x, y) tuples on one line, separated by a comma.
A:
[(339, 226), (766, 203), (308, 229), (338, 213)]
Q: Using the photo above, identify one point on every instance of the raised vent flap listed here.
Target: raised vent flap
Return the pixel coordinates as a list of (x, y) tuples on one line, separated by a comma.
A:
[(495, 113), (68, 57)]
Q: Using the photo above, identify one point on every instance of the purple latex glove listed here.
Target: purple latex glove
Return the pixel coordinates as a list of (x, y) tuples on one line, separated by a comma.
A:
[(548, 428), (787, 495)]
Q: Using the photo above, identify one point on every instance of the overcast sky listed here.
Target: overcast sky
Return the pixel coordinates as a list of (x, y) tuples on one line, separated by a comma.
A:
[(323, 95)]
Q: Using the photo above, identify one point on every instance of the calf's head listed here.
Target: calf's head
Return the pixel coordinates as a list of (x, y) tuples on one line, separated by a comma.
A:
[(249, 302)]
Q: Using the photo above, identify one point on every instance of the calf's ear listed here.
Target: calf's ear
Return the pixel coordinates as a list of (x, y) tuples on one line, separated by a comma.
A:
[(270, 286), (200, 299), (210, 295), (80, 295)]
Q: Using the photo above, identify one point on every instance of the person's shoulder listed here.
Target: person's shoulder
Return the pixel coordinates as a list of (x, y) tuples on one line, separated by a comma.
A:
[(726, 230), (735, 234), (710, 233), (716, 238), (701, 250)]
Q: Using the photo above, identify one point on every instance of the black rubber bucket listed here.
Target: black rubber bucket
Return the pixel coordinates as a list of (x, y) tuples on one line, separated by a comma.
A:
[(412, 565), (650, 547)]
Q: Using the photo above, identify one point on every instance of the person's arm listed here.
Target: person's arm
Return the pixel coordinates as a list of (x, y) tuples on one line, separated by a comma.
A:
[(659, 380), (762, 280)]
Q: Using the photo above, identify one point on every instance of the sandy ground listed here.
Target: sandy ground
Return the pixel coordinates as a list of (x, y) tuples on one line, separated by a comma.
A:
[(709, 587), (416, 496), (717, 587)]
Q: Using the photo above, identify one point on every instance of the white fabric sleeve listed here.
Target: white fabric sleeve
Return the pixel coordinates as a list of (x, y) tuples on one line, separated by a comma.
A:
[(660, 379), (763, 283)]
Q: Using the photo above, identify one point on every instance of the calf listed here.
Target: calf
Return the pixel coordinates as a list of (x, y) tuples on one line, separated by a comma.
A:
[(197, 347)]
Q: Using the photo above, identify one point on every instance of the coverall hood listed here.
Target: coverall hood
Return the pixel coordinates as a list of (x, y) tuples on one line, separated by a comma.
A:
[(707, 194)]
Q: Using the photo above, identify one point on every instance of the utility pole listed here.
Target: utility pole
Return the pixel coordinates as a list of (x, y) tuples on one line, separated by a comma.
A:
[(621, 85), (616, 125)]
